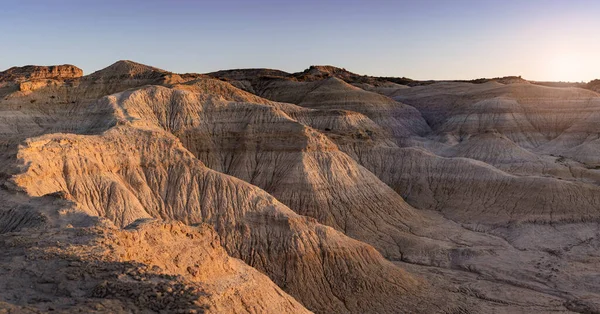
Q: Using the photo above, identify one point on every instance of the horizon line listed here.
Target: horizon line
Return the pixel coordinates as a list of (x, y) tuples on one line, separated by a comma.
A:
[(85, 73)]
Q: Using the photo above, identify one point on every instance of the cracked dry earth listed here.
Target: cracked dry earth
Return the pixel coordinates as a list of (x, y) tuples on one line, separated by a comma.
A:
[(134, 189)]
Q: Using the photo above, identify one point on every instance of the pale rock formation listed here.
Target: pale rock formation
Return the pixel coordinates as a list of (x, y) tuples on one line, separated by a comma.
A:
[(147, 267), (129, 173), (401, 121), (510, 163), (118, 174), (388, 89), (461, 187), (33, 72)]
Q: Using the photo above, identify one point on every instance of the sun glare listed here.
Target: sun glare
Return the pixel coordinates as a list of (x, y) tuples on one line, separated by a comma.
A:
[(567, 67)]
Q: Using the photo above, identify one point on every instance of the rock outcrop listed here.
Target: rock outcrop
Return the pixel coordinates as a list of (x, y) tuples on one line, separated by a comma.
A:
[(145, 172), (31, 77), (403, 123), (140, 189), (33, 72), (147, 267), (498, 130)]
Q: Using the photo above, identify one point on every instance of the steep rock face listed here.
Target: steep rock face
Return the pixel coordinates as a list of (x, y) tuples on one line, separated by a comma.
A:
[(144, 173), (346, 127), (32, 77), (34, 72)]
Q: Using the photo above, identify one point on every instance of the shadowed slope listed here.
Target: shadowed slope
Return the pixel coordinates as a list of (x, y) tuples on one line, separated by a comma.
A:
[(401, 121), (137, 170), (262, 145), (456, 186), (530, 115), (147, 173)]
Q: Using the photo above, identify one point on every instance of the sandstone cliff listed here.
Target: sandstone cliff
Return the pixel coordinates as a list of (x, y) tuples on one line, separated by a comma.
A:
[(32, 72)]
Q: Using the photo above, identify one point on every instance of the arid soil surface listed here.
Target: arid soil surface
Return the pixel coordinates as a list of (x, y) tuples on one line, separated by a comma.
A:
[(134, 189)]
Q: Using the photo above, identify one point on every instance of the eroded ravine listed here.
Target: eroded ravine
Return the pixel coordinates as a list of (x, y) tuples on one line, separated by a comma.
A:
[(129, 173), (146, 153)]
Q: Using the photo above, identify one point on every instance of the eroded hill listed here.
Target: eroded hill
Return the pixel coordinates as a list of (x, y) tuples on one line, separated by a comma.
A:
[(275, 192)]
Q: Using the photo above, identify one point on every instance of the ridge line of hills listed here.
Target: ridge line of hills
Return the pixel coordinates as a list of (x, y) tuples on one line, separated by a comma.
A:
[(263, 191), (314, 72)]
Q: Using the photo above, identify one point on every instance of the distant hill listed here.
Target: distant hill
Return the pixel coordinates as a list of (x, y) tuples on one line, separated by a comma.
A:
[(593, 85), (320, 72)]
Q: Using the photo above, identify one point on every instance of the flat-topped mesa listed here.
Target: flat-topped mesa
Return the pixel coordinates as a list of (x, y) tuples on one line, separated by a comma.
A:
[(36, 72)]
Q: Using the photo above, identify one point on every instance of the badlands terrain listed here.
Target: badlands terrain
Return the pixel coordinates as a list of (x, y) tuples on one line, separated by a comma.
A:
[(134, 189)]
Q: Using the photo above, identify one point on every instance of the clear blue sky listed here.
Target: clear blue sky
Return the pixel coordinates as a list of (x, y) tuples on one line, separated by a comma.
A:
[(421, 39)]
